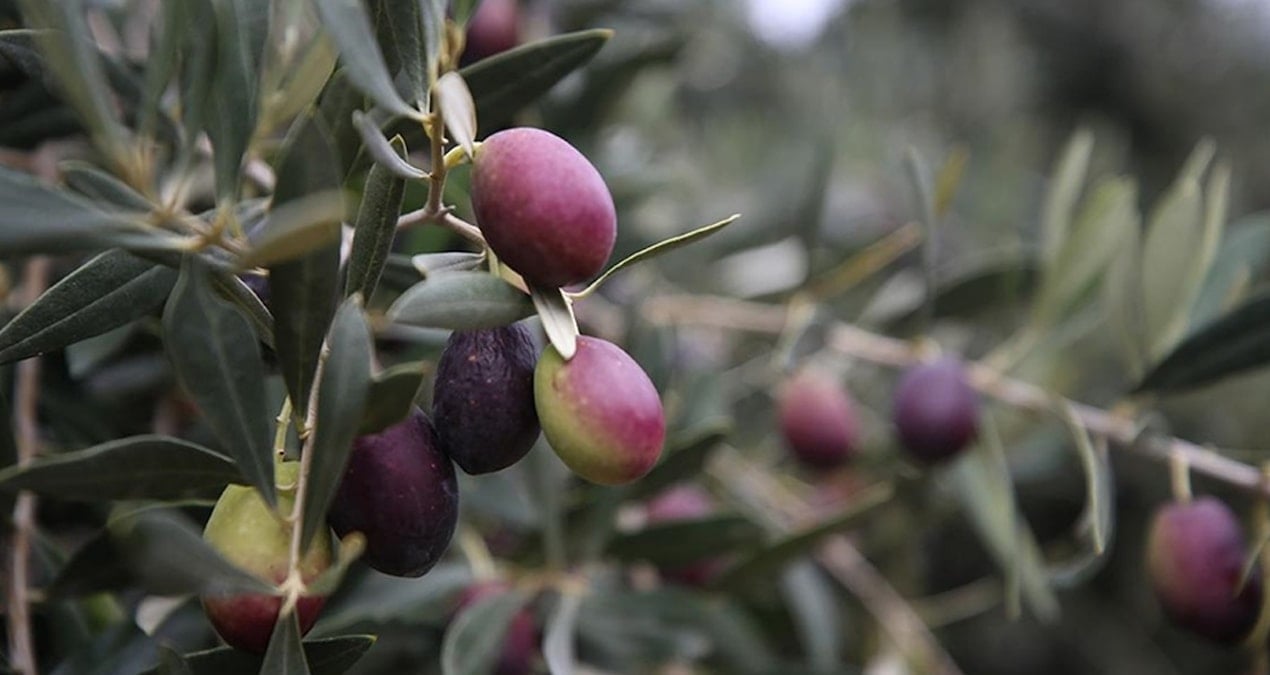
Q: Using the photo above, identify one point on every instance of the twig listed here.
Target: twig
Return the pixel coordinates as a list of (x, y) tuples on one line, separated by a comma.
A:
[(26, 424), (850, 568), (1120, 428)]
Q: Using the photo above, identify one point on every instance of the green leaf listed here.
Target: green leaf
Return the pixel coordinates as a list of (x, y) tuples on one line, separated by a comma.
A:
[(339, 100), (1060, 200), (380, 600), (308, 76), (199, 45), (1089, 245), (234, 290), (348, 25), (812, 606), (1122, 302), (35, 218), (664, 246), (296, 227), (1234, 343), (71, 53), (351, 547), (95, 567), (1179, 248), (172, 663), (1099, 515), (982, 482), (762, 563), (503, 84), (399, 26), (429, 264), (285, 655), (461, 301), (558, 645), (330, 656), (459, 111), (679, 543), (341, 399), (375, 228), (241, 29), (1241, 258), (138, 467), (474, 640), (555, 309), (168, 557), (100, 186), (391, 396), (216, 356), (111, 290), (303, 291), (384, 151), (463, 10)]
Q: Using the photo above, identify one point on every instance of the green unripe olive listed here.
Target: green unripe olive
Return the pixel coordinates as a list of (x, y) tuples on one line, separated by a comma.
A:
[(599, 412), (247, 533)]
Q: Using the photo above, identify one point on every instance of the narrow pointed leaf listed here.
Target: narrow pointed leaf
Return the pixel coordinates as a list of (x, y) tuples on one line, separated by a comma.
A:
[(167, 556), (474, 640), (375, 228), (100, 186), (241, 29), (341, 400), (295, 228), (198, 45), (1099, 514), (285, 655), (303, 291), (1242, 256), (1122, 302), (458, 109), (461, 301), (139, 467), (327, 656), (106, 292), (399, 27), (36, 218), (391, 396), (383, 150), (812, 606), (382, 600), (556, 312), (664, 246), (558, 644), (216, 356), (348, 25), (428, 264), (172, 663), (1234, 343), (236, 291), (1064, 190), (683, 542), (503, 84)]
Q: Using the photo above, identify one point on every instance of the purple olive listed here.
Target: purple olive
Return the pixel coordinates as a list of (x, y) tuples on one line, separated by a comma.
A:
[(520, 643), (483, 398), (599, 412), (936, 411), (399, 490), (544, 209), (1195, 556), (817, 420), (493, 29)]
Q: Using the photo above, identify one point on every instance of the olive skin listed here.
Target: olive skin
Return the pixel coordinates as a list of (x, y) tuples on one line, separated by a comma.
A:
[(600, 412), (1195, 557), (493, 29), (244, 530), (936, 411), (399, 490), (483, 398), (520, 643), (685, 502), (543, 208), (817, 421)]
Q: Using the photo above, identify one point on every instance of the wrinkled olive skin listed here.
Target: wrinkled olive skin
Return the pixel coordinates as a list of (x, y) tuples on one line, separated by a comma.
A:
[(685, 502), (544, 209), (400, 491), (817, 421), (520, 644), (483, 398), (246, 533), (600, 412), (493, 29), (936, 411), (1195, 556)]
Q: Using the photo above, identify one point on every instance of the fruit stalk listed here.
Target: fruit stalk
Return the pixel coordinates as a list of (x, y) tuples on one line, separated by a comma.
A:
[(1117, 425)]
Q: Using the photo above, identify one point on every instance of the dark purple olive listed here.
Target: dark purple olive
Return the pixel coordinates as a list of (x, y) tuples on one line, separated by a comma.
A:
[(1195, 556), (544, 209), (520, 643), (936, 411), (817, 420), (399, 490), (493, 29), (483, 398)]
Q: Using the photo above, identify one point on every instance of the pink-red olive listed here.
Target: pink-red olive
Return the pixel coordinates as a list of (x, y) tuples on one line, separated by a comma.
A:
[(399, 491), (600, 412), (817, 420), (1195, 557), (247, 533), (936, 411), (543, 208)]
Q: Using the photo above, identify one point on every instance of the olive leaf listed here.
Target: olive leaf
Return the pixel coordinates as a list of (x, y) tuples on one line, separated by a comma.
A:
[(327, 656), (681, 542), (383, 150), (458, 110), (296, 227), (167, 556), (1231, 344), (375, 227), (285, 654), (1067, 179), (555, 309), (350, 28), (429, 264), (664, 246), (391, 396), (241, 29), (461, 301), (558, 645), (474, 640)]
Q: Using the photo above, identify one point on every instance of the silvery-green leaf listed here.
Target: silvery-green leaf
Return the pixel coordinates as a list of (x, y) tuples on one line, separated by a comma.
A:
[(1066, 181), (458, 110), (348, 25), (661, 247), (296, 227), (555, 309), (383, 150), (429, 264), (375, 228), (461, 301), (474, 639), (285, 655), (558, 644)]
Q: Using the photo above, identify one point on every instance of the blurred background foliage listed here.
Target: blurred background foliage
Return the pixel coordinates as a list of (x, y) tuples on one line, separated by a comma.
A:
[(800, 116)]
